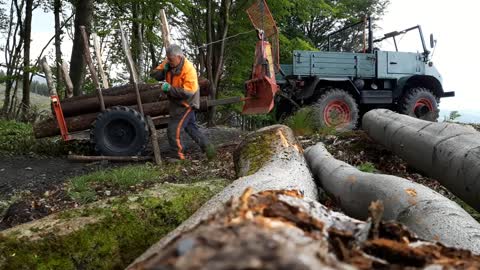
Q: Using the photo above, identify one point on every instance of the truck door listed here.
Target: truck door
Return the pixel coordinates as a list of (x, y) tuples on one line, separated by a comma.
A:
[(402, 63)]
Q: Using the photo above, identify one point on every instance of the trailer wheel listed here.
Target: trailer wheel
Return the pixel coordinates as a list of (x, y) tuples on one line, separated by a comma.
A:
[(336, 108), (419, 102), (119, 131)]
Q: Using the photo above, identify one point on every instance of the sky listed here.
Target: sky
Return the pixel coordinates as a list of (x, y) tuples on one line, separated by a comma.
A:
[(453, 23), (455, 27)]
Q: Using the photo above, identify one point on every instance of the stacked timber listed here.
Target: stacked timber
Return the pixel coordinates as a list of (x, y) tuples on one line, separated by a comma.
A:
[(81, 111)]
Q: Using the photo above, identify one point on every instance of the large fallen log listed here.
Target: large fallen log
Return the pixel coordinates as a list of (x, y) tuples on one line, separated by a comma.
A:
[(424, 211), (282, 230), (447, 152), (269, 159)]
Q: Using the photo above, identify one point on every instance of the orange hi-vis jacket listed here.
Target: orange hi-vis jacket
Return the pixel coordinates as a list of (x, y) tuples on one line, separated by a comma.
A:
[(185, 90)]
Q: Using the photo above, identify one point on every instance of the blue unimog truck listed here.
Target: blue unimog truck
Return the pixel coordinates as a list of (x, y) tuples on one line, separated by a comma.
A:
[(340, 86)]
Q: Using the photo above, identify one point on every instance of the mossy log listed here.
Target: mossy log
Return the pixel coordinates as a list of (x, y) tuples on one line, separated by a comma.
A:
[(268, 159), (447, 152), (108, 234), (425, 212)]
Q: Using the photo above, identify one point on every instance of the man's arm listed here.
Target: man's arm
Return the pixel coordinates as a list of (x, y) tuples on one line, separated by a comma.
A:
[(159, 72)]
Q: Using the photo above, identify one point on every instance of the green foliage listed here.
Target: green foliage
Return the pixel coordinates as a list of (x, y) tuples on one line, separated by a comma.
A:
[(289, 45), (17, 138), (367, 167), (302, 122), (123, 233), (454, 115)]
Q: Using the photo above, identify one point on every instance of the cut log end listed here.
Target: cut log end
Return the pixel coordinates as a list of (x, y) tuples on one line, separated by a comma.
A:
[(282, 230)]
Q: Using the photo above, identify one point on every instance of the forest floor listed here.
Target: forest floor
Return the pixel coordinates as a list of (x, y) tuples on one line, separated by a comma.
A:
[(33, 186)]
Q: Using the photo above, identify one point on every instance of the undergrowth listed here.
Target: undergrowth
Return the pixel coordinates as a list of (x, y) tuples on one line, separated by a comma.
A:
[(17, 138), (302, 122)]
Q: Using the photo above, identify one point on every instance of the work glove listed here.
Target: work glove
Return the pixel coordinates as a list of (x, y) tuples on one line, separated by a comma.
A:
[(166, 87)]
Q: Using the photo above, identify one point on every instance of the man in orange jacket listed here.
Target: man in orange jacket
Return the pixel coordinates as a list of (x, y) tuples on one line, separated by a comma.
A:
[(181, 87)]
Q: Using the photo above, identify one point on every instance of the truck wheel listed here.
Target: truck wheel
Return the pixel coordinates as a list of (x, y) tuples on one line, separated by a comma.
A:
[(336, 108), (283, 109), (420, 103), (119, 131)]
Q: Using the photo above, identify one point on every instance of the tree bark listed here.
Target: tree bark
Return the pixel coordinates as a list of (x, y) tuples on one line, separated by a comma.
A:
[(83, 16), (446, 152), (27, 33), (57, 9), (421, 209)]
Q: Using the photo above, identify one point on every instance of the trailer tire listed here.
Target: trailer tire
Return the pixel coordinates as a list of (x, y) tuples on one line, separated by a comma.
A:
[(336, 108), (421, 103), (119, 131)]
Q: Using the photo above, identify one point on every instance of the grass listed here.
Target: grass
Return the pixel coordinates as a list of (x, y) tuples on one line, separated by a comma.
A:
[(83, 189), (42, 102), (367, 167), (302, 122)]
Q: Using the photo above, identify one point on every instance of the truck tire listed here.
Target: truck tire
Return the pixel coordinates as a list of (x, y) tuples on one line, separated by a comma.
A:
[(119, 131), (336, 108), (419, 102), (283, 109)]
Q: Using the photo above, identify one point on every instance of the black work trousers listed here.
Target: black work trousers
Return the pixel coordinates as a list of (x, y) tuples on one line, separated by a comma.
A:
[(184, 122)]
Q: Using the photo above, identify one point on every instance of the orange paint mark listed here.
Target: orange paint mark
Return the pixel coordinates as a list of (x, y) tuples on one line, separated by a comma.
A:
[(283, 139), (352, 179), (411, 192)]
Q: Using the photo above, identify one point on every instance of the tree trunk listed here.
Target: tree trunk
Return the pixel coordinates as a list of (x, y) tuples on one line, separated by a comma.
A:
[(446, 152), (27, 33), (57, 9), (283, 227), (421, 209), (136, 38), (83, 17)]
